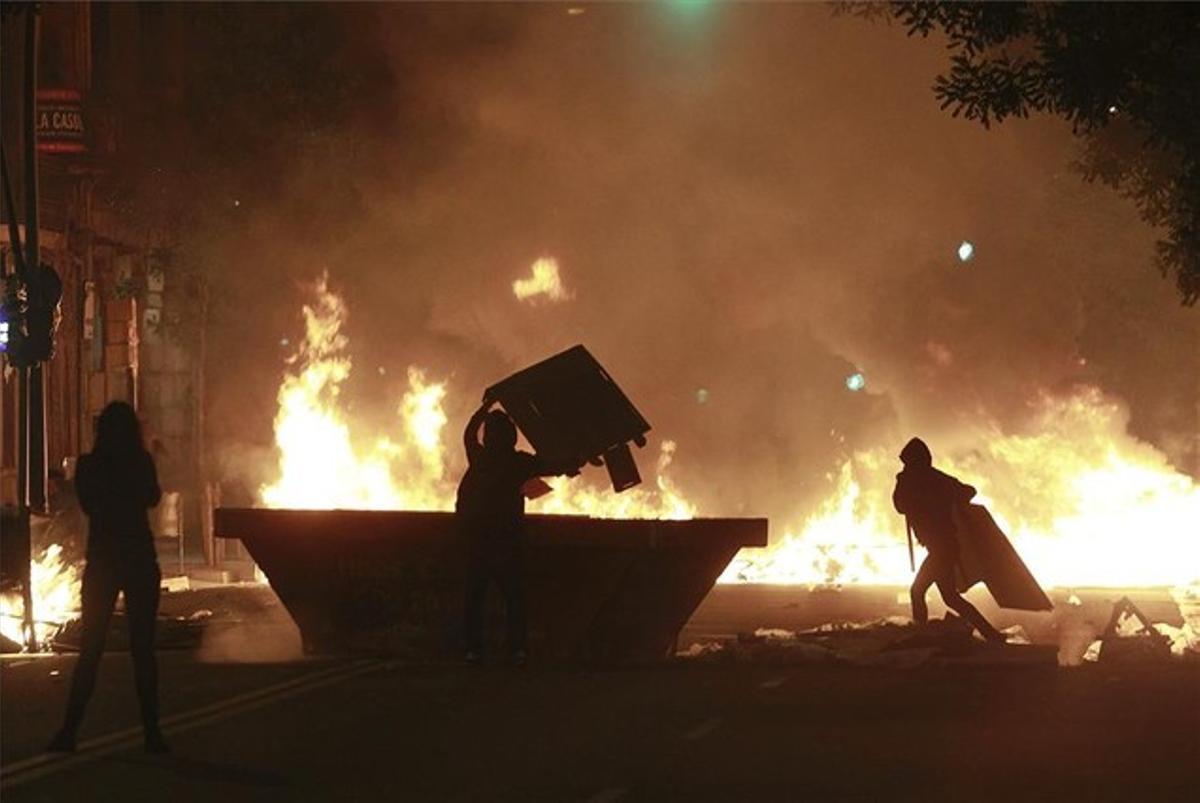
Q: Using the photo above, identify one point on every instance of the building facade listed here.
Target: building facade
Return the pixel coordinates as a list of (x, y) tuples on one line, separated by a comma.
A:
[(120, 336)]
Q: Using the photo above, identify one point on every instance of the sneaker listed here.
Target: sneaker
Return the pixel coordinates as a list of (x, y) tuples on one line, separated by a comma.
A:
[(474, 659), (62, 742)]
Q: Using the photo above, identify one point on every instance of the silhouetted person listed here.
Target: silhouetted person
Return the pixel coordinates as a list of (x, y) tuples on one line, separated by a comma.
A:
[(928, 497), (491, 513), (116, 485)]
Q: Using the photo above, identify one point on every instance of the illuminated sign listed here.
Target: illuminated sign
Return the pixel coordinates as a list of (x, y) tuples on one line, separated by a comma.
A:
[(60, 121)]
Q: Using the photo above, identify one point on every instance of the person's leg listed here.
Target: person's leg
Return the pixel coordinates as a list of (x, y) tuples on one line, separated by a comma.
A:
[(512, 585), (920, 586), (141, 609), (97, 596), (955, 601), (475, 599)]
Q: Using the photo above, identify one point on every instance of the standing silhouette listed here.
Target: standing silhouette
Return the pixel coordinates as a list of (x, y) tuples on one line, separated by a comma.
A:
[(116, 484), (491, 511), (927, 498)]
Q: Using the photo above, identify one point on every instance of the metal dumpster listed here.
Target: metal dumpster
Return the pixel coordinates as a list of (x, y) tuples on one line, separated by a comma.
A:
[(598, 590)]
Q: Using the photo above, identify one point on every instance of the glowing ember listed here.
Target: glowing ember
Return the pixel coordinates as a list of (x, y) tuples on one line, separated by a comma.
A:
[(1084, 503), (56, 585), (543, 282)]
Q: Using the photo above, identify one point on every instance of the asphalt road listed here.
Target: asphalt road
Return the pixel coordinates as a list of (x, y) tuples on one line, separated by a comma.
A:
[(688, 731)]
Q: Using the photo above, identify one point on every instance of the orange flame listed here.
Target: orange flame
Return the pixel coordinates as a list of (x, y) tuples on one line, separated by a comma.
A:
[(1084, 503), (320, 468), (55, 585)]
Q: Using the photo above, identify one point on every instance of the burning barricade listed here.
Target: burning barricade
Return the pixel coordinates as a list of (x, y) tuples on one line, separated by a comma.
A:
[(599, 589)]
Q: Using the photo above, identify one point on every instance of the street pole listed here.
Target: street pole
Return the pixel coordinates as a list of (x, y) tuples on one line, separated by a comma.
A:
[(37, 380), (31, 472)]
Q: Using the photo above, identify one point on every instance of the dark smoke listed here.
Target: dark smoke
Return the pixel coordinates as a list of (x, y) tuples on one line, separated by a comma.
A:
[(756, 201)]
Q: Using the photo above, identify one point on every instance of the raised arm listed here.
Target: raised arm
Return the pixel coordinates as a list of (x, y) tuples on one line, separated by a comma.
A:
[(471, 434)]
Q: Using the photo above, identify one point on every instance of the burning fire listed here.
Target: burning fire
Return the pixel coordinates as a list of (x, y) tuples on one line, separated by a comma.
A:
[(320, 464), (543, 282), (56, 585), (1085, 503), (321, 467)]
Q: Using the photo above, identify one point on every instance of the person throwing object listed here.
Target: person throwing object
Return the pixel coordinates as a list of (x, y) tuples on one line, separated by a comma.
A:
[(490, 508)]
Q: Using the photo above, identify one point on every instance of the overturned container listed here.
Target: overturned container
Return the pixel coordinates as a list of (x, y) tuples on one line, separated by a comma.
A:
[(568, 406), (597, 590)]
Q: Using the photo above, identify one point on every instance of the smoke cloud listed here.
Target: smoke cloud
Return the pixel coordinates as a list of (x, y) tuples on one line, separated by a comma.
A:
[(749, 204)]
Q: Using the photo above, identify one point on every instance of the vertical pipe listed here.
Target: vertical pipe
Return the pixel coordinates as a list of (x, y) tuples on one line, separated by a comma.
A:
[(36, 455), (32, 412)]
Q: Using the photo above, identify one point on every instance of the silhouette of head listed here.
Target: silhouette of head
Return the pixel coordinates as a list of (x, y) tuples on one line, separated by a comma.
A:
[(118, 431), (916, 454), (499, 432)]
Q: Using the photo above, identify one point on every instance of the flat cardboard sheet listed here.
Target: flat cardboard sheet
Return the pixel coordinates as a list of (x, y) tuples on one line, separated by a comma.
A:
[(986, 555)]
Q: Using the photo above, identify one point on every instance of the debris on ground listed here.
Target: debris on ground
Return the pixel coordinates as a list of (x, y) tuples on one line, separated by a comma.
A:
[(176, 584), (892, 642), (1130, 636)]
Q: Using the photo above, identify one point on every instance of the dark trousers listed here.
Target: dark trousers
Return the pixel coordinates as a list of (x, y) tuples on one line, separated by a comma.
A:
[(502, 565), (102, 578), (938, 567)]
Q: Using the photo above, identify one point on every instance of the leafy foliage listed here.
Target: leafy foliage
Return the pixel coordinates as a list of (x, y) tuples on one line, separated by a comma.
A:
[(1125, 75)]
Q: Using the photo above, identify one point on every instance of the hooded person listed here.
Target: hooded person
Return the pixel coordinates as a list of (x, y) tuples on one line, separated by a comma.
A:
[(927, 498)]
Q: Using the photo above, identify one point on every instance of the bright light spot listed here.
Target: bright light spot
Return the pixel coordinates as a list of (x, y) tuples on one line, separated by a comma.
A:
[(575, 11), (1113, 109), (702, 396), (1075, 483), (382, 371), (283, 341), (856, 381), (543, 281), (236, 202), (966, 250)]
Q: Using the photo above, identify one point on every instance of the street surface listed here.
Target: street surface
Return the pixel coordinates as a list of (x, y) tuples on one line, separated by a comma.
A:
[(688, 730)]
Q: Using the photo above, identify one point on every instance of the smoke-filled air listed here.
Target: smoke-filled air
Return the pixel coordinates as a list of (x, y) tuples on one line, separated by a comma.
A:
[(759, 221)]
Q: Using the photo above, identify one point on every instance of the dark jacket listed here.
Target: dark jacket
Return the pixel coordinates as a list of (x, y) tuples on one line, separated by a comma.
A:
[(491, 502), (115, 492), (928, 498)]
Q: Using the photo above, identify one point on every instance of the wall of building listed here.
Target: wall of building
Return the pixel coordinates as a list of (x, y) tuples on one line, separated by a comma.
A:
[(116, 340)]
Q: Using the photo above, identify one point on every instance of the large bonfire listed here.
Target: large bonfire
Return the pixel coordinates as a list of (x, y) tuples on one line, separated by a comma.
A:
[(1085, 503)]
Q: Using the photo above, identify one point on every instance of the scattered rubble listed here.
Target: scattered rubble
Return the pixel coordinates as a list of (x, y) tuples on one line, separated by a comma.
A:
[(892, 642)]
